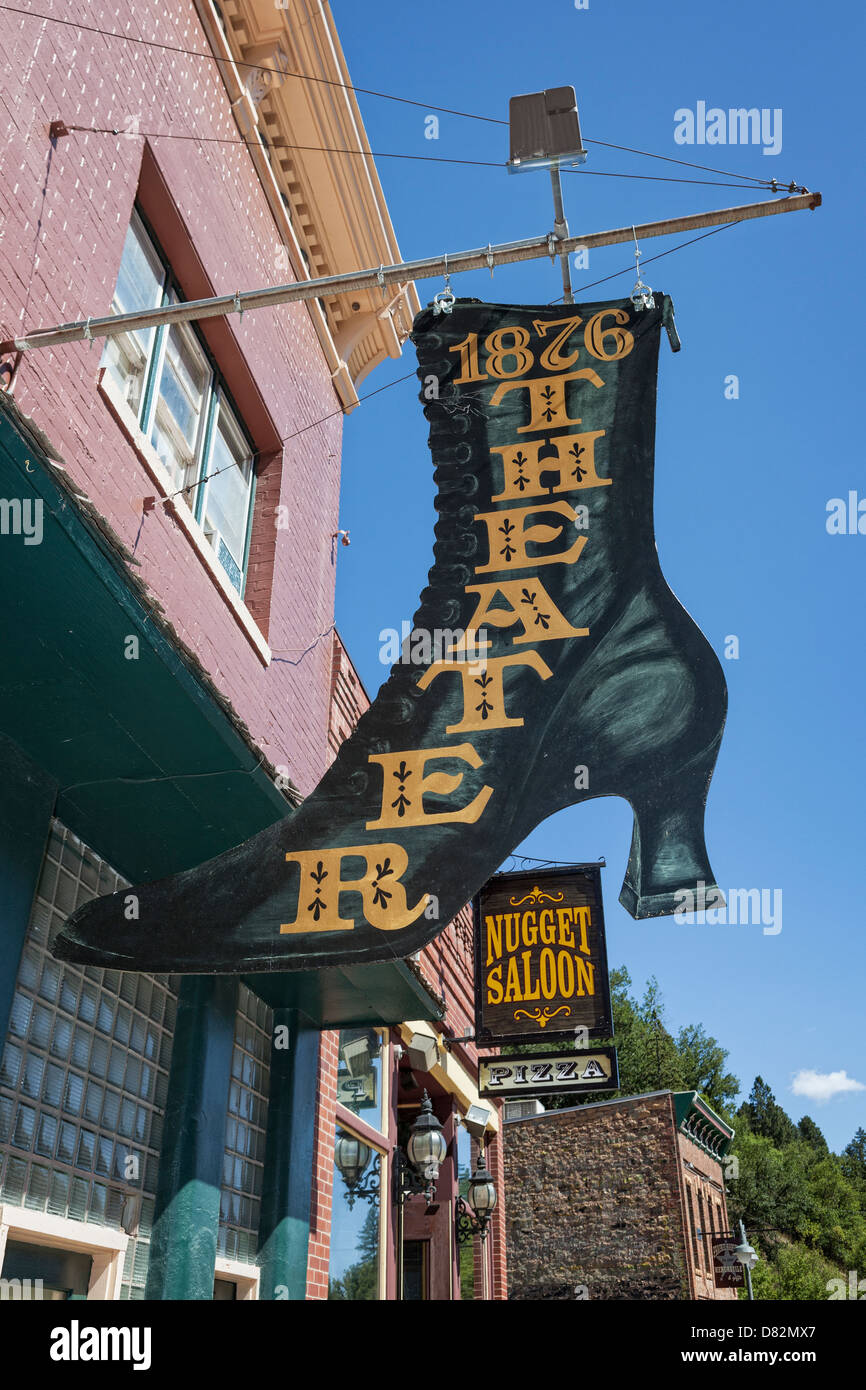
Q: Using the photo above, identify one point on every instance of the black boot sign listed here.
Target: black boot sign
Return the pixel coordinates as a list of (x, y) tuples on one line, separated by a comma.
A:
[(549, 663)]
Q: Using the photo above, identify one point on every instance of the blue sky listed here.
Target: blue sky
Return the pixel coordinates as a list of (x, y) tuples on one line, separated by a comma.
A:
[(742, 485)]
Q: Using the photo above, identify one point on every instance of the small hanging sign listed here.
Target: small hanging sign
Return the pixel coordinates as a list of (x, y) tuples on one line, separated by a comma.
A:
[(538, 1074), (541, 957)]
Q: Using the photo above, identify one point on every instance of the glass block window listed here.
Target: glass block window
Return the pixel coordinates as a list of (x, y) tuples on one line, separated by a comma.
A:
[(84, 1070), (244, 1155)]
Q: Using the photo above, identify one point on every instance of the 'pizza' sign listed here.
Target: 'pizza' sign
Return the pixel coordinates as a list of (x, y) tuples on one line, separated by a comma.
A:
[(535, 1074)]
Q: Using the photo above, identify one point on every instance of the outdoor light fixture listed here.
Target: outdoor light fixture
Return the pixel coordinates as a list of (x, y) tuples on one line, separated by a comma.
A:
[(422, 1052), (747, 1256), (426, 1148), (474, 1211), (417, 1171), (545, 134), (545, 130), (476, 1120), (357, 1053), (351, 1156)]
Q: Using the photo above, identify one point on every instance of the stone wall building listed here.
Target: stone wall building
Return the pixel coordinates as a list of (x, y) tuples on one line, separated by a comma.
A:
[(616, 1200)]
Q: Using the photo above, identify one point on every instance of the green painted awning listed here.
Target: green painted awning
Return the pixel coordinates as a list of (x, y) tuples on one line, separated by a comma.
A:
[(154, 770)]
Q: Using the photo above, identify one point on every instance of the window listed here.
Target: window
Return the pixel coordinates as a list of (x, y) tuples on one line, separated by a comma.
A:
[(169, 381), (356, 1220), (360, 1075), (84, 1074), (704, 1236), (695, 1250)]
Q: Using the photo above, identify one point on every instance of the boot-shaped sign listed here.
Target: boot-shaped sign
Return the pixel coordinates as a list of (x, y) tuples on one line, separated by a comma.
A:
[(549, 663)]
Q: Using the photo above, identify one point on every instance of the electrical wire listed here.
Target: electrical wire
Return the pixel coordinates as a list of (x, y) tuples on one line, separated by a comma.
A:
[(267, 145), (686, 163), (629, 269), (384, 96), (239, 63), (191, 487)]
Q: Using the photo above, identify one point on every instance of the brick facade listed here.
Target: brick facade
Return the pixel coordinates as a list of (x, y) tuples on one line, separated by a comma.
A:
[(447, 963), (65, 209)]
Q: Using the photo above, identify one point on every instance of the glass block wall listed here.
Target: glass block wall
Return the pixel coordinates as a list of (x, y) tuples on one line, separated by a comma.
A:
[(84, 1070), (243, 1160)]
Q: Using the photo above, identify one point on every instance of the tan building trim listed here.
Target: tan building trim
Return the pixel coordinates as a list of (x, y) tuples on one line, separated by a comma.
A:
[(106, 1246), (451, 1074), (245, 1276), (329, 207)]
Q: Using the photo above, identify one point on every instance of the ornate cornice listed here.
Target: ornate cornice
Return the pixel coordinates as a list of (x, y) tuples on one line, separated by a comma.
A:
[(329, 206)]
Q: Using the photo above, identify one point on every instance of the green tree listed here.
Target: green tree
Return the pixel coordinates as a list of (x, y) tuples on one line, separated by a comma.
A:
[(703, 1062), (854, 1161), (795, 1273), (811, 1135), (766, 1117), (359, 1282)]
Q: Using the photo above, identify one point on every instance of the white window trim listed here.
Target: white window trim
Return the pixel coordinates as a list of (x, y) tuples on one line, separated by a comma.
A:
[(245, 1276), (105, 1245), (128, 422)]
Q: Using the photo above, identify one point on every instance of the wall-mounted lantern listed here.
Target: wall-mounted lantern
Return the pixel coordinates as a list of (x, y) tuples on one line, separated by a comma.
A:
[(475, 1210)]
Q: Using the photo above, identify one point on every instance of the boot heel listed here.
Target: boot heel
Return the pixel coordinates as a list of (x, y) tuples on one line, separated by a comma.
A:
[(668, 853)]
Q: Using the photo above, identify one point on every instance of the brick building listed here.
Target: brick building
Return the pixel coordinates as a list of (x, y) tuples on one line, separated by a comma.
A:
[(618, 1199), (171, 683)]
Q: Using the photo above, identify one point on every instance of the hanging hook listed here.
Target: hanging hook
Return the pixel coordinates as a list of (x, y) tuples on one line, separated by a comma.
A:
[(641, 295), (444, 301), (239, 308), (490, 261), (87, 334)]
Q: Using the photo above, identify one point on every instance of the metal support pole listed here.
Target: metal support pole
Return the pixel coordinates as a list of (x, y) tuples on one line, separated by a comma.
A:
[(746, 1267), (507, 253), (560, 227)]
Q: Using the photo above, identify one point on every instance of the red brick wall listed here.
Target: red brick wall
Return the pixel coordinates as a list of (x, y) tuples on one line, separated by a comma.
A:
[(702, 1174), (65, 214), (447, 963)]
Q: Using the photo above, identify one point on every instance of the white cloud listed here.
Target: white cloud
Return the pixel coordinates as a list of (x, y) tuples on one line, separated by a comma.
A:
[(823, 1085)]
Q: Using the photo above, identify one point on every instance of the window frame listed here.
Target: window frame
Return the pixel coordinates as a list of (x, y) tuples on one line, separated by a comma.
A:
[(216, 398)]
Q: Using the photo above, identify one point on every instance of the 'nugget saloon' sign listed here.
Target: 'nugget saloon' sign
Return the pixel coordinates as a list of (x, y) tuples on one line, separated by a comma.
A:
[(538, 1075), (540, 956)]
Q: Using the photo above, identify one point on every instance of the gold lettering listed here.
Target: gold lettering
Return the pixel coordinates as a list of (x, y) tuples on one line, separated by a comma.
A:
[(582, 920), (564, 915), (546, 398), (526, 956), (547, 965), (405, 773), (585, 976), (574, 461), (508, 536), (494, 938), (382, 894), (483, 696), (494, 985), (530, 930), (565, 974), (512, 983), (529, 605), (548, 930)]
